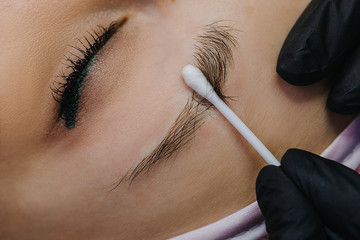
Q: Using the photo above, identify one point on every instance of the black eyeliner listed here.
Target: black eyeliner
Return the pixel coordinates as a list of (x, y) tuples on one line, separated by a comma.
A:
[(68, 92)]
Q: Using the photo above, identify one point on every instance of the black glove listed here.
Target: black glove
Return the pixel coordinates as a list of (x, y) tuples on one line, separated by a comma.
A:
[(326, 39), (309, 197)]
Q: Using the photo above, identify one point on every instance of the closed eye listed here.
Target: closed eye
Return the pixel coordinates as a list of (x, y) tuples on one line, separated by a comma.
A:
[(67, 92)]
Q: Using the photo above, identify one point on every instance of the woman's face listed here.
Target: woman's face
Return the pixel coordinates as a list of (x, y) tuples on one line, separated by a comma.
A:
[(60, 177)]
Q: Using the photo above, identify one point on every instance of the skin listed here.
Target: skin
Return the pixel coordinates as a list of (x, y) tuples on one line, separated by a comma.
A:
[(56, 183)]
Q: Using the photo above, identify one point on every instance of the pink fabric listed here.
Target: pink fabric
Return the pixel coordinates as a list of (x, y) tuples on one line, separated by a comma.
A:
[(248, 223)]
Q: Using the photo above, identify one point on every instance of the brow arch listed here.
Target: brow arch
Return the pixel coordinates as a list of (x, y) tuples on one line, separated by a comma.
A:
[(213, 55)]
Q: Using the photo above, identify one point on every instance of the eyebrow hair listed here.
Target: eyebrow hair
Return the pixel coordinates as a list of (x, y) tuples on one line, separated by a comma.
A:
[(177, 137), (213, 55)]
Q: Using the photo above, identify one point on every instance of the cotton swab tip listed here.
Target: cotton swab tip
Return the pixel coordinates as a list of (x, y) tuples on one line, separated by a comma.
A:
[(195, 79)]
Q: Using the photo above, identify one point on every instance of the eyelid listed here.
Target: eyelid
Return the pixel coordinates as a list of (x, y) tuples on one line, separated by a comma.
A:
[(68, 91)]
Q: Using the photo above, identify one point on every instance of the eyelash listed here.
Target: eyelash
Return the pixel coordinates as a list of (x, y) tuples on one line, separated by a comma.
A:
[(68, 92)]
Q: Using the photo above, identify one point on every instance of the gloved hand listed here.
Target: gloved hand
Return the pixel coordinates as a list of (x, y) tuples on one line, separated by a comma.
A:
[(326, 39), (309, 197)]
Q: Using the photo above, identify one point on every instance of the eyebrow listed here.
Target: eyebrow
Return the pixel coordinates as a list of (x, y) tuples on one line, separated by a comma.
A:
[(213, 55)]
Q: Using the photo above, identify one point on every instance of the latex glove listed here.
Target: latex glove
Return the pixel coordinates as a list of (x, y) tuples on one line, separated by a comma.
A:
[(309, 197), (326, 39)]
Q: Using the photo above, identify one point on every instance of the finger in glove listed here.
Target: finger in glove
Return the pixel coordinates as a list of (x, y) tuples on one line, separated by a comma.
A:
[(322, 38), (344, 98), (288, 214), (333, 189)]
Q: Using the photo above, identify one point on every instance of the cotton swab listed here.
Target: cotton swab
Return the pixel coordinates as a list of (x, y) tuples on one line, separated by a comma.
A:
[(195, 79)]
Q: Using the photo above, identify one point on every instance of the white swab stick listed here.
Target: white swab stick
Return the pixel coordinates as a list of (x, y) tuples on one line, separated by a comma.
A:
[(195, 79)]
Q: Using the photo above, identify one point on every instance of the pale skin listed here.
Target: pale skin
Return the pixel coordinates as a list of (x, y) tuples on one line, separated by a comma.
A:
[(56, 183)]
